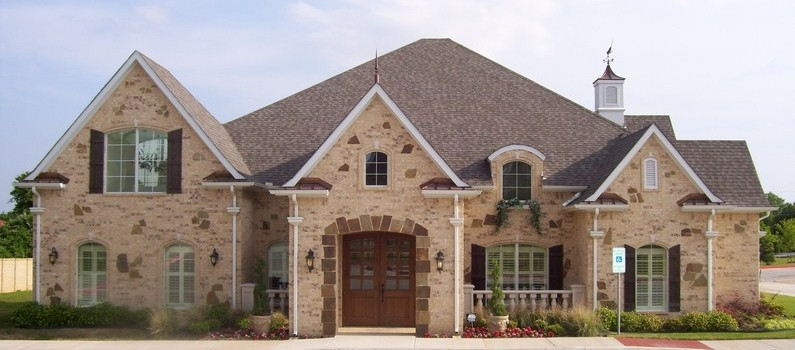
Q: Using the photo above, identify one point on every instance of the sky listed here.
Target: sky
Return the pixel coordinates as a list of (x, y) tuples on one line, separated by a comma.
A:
[(723, 70)]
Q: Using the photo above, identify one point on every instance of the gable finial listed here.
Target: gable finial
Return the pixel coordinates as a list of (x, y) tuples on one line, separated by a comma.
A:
[(609, 51), (377, 78)]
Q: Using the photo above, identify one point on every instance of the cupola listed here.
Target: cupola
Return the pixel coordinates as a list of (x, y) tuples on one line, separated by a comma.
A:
[(609, 94)]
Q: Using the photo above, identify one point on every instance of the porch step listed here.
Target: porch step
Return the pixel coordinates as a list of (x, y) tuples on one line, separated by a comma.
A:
[(376, 331)]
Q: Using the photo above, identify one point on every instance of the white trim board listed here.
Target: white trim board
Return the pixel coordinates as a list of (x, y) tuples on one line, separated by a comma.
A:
[(102, 96), (354, 114), (509, 148), (672, 152)]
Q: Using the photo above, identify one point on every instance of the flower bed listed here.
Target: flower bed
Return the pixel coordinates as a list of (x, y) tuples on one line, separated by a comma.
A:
[(247, 334), (510, 332)]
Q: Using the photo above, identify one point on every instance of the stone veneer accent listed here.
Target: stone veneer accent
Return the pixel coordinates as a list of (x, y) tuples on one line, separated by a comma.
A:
[(367, 223)]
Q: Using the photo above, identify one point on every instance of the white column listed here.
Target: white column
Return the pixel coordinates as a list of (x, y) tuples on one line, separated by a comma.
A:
[(457, 223), (234, 210), (295, 221), (711, 234), (595, 234), (37, 211)]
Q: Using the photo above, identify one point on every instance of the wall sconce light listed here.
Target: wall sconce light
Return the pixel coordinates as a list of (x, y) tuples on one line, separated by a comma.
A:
[(214, 257), (439, 261), (53, 256), (310, 260)]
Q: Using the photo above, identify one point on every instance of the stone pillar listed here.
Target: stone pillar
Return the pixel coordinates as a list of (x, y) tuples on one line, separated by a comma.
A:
[(578, 295), (247, 299), (469, 290)]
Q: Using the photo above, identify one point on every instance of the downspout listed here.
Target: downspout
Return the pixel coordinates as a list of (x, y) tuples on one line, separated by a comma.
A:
[(595, 234), (710, 235), (759, 222), (234, 210), (37, 211), (295, 221), (457, 221)]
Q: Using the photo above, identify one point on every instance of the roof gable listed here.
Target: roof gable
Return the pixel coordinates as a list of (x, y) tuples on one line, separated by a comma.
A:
[(201, 121), (375, 91), (651, 131)]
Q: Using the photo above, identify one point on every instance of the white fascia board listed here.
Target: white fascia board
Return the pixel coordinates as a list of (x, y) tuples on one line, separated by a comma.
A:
[(225, 185), (509, 148), (729, 209), (301, 193), (353, 115), (546, 188), (672, 152), (40, 185), (103, 95), (450, 193), (602, 207)]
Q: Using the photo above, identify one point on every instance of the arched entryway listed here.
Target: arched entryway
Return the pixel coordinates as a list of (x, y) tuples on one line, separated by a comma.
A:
[(378, 281)]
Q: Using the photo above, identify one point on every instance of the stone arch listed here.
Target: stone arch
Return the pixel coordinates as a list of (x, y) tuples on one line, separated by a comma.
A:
[(367, 223)]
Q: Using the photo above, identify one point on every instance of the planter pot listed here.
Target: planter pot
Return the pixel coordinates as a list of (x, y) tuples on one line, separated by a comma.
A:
[(497, 323), (260, 324)]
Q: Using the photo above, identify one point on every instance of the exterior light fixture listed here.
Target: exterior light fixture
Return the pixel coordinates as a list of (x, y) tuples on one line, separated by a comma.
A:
[(310, 260), (53, 256), (439, 261), (214, 257)]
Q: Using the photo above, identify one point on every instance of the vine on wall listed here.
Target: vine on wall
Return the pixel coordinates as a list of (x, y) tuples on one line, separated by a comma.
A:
[(507, 204)]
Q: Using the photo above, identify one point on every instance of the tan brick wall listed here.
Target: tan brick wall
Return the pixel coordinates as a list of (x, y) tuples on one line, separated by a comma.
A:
[(138, 226)]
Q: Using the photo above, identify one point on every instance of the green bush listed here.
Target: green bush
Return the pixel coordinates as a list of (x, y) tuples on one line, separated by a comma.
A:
[(695, 322), (582, 323), (556, 329), (200, 327), (163, 323), (30, 315), (781, 323), (720, 321), (673, 324), (278, 321), (59, 315), (607, 317)]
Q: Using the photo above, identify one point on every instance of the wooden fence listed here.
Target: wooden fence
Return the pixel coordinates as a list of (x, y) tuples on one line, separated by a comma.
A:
[(16, 274)]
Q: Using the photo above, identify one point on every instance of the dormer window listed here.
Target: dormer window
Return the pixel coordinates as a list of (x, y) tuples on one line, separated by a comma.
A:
[(650, 177), (136, 161), (516, 180), (376, 169)]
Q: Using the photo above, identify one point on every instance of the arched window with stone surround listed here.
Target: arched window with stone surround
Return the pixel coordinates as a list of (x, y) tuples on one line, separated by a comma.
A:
[(91, 274), (180, 263)]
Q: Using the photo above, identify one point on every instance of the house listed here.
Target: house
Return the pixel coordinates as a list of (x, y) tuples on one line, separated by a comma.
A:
[(372, 196)]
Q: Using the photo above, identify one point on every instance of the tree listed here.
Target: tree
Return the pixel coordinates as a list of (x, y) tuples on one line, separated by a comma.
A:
[(16, 237), (21, 197), (786, 234)]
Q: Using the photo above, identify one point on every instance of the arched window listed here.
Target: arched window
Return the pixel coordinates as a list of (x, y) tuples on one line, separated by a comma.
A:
[(650, 177), (91, 274), (136, 161), (277, 266), (180, 263), (516, 180), (651, 278), (376, 169), (611, 95), (524, 266)]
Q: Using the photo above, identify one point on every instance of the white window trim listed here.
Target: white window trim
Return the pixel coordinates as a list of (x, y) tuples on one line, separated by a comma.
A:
[(646, 184), (664, 306), (135, 166), (93, 274), (516, 271), (388, 169), (181, 247)]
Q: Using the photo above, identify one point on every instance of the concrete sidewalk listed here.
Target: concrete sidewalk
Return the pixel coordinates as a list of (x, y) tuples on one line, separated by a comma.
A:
[(382, 343)]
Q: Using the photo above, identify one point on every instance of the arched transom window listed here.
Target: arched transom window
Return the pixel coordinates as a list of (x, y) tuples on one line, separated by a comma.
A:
[(516, 180)]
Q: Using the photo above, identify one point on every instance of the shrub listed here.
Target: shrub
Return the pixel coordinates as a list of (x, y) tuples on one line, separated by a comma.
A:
[(776, 324), (673, 324), (496, 302), (200, 327), (32, 315), (632, 321), (582, 323), (278, 321), (750, 315), (163, 322), (720, 321), (556, 329), (695, 322), (607, 317)]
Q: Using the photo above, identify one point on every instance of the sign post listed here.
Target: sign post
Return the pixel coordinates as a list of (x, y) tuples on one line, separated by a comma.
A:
[(619, 267)]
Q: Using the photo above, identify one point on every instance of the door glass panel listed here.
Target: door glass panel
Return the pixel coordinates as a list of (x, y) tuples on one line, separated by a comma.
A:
[(367, 284), (356, 283), (404, 284), (390, 284)]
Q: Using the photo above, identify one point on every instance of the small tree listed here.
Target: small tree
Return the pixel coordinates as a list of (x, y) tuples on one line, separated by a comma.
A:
[(497, 300), (261, 300)]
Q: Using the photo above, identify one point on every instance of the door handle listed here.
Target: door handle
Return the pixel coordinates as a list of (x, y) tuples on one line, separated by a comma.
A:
[(382, 292)]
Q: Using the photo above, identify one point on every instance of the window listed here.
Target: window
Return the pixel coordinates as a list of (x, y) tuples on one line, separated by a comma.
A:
[(180, 264), (277, 266), (524, 266), (375, 169), (91, 274), (650, 174), (611, 95), (136, 161), (650, 278), (516, 181)]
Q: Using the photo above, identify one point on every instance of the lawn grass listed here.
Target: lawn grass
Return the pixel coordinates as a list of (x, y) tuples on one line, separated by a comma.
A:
[(785, 300), (789, 261), (779, 334), (10, 302)]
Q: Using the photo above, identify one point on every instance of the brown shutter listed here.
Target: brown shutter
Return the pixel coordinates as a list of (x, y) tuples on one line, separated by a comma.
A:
[(673, 278), (174, 172), (555, 258), (479, 267), (629, 279), (96, 161)]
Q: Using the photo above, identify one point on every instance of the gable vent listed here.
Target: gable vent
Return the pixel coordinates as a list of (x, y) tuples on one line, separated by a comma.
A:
[(650, 173)]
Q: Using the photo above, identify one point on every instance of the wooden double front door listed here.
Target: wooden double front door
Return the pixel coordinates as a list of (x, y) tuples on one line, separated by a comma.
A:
[(378, 279)]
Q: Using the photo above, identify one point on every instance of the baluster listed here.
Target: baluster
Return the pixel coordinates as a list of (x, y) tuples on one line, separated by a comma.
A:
[(479, 302), (566, 301), (523, 301), (283, 303), (533, 302)]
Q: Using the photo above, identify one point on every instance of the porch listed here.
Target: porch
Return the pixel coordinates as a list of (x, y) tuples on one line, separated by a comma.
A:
[(527, 300)]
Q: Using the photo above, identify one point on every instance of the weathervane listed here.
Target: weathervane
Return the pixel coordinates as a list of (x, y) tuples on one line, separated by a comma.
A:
[(609, 51)]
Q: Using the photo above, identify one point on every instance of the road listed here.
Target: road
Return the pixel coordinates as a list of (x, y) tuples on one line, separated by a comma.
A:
[(778, 280)]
